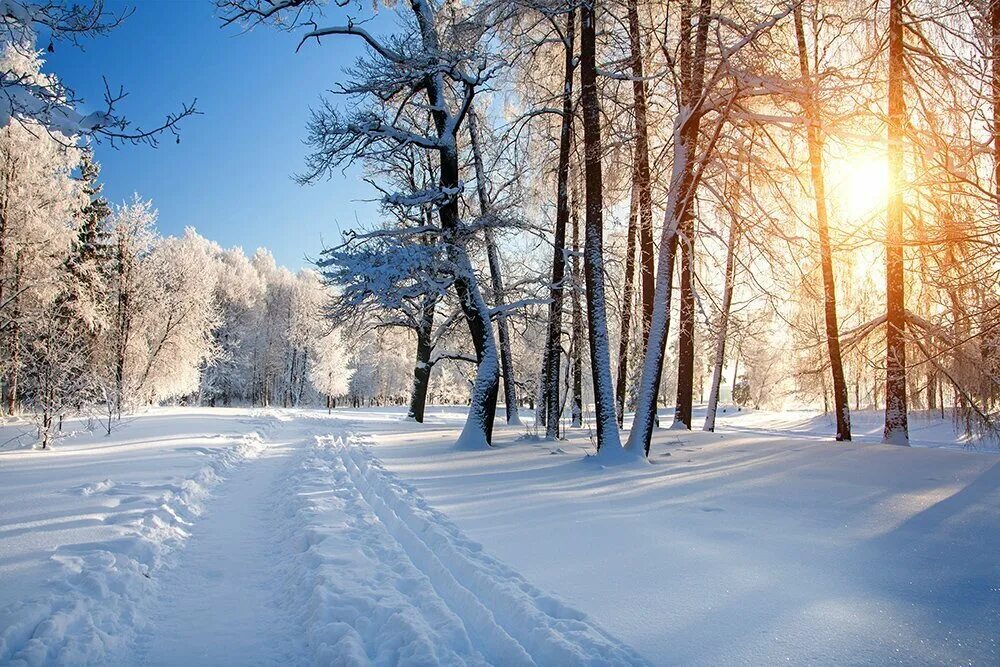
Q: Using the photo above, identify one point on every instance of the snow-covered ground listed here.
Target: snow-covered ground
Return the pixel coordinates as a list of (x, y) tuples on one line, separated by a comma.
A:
[(198, 536)]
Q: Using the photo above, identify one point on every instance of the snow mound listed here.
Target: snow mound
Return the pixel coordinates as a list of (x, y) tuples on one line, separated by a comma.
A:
[(386, 579), (90, 607)]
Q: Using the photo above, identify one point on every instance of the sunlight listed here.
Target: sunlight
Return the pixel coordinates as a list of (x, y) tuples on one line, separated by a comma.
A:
[(863, 186)]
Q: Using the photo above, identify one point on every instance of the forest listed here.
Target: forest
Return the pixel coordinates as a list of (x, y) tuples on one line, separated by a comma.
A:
[(581, 332), (601, 208)]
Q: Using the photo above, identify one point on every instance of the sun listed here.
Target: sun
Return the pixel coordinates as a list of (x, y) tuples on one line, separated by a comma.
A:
[(861, 186)]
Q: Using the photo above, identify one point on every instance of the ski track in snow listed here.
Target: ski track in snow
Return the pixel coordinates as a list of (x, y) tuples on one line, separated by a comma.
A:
[(218, 604), (297, 547), (482, 610)]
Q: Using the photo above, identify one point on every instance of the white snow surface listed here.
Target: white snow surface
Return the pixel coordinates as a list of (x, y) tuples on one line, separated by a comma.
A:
[(233, 536), (281, 540)]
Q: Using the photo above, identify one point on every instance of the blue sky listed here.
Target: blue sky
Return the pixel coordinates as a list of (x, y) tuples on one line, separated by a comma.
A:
[(230, 176)]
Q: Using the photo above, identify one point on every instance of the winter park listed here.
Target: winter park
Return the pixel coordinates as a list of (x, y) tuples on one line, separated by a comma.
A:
[(499, 332)]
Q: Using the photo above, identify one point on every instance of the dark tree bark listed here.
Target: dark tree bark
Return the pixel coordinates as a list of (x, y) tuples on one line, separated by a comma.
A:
[(576, 410), (692, 65), (593, 252), (896, 431), (642, 177), (422, 368), (553, 346), (626, 315), (815, 144), (496, 274)]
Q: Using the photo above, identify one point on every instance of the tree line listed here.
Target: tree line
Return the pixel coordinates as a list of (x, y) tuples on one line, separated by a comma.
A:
[(729, 144)]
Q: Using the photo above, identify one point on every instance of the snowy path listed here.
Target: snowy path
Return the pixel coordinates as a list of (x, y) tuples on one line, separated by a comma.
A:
[(312, 553), (220, 603), (394, 582)]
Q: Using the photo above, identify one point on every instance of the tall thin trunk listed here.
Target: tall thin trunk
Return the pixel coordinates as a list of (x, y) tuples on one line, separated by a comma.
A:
[(553, 346), (896, 431), (815, 140), (608, 439), (496, 274), (422, 368), (683, 184), (720, 345), (693, 71), (626, 316), (642, 177), (14, 341), (541, 392), (995, 53), (576, 409)]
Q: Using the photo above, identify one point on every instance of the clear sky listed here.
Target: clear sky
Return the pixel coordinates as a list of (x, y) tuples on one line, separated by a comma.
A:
[(230, 176)]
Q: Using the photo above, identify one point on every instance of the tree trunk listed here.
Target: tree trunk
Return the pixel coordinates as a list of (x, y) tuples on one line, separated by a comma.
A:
[(693, 69), (608, 438), (720, 345), (14, 343), (896, 431), (626, 315), (576, 410), (679, 194), (814, 139), (642, 177), (478, 430), (496, 274), (422, 368), (553, 345)]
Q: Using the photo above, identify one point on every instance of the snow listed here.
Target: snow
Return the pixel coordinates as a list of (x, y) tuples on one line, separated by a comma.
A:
[(207, 536), (85, 528)]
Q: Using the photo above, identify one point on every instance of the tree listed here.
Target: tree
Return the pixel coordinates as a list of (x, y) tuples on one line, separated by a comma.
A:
[(896, 431), (553, 344), (608, 439), (815, 145), (447, 75), (329, 372)]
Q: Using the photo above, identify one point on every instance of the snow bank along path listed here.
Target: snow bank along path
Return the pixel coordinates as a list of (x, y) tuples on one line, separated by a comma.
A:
[(289, 545), (89, 607)]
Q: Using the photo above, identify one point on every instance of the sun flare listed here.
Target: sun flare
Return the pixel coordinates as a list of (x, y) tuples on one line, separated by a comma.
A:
[(863, 187)]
